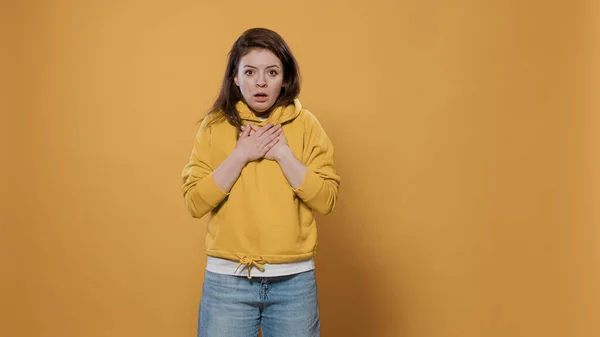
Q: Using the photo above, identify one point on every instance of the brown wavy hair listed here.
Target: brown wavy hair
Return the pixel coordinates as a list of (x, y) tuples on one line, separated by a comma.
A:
[(230, 94)]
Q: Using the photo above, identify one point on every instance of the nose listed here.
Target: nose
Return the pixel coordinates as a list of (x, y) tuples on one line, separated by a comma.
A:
[(260, 82)]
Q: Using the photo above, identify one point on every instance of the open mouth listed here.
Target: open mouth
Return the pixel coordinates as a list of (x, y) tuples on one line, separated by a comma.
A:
[(260, 97)]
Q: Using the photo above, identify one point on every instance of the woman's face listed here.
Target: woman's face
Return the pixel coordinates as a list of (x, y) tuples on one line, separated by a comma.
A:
[(260, 78)]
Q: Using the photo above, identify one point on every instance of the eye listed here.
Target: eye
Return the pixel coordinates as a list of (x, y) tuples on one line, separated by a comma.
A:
[(273, 72), (249, 72)]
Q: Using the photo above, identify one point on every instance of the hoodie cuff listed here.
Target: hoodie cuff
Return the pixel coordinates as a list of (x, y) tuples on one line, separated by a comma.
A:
[(310, 187), (210, 192)]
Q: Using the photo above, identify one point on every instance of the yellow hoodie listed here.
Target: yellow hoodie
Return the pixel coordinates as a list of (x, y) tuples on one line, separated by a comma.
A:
[(262, 219)]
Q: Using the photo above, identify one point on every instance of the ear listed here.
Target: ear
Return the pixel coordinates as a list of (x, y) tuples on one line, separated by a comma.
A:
[(235, 80)]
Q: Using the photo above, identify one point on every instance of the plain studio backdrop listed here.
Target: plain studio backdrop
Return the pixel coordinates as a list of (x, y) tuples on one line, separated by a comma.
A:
[(467, 136)]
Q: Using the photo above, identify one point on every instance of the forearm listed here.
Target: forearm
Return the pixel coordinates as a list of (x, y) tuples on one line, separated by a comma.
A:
[(229, 171), (292, 168)]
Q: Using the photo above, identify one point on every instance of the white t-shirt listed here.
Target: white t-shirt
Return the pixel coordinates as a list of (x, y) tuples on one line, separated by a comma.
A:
[(228, 267)]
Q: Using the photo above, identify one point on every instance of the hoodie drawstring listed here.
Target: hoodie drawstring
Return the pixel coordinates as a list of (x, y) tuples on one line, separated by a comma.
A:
[(249, 263)]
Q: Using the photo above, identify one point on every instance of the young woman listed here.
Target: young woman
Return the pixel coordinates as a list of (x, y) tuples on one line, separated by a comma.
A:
[(261, 164)]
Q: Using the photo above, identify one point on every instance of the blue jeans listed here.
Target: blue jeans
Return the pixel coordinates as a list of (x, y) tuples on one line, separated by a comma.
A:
[(234, 306)]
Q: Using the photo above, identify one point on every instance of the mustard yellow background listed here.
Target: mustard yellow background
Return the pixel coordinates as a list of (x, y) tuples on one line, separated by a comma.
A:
[(467, 138)]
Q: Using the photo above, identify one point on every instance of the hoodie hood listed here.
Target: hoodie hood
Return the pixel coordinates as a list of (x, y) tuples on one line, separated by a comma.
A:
[(280, 115)]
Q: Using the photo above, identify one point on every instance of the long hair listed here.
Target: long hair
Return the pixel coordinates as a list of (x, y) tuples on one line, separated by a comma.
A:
[(230, 94)]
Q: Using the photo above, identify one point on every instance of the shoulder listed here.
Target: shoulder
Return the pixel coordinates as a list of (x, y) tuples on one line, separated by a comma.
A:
[(309, 119), (313, 129), (209, 124), (212, 120)]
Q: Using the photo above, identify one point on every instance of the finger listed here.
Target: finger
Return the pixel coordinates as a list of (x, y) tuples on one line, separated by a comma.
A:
[(253, 129), (271, 131), (270, 145), (268, 138), (246, 131), (264, 129)]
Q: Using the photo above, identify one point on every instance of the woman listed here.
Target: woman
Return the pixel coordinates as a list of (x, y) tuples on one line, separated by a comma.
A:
[(260, 165)]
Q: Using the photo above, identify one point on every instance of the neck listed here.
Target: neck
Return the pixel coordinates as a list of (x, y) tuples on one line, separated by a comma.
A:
[(264, 114)]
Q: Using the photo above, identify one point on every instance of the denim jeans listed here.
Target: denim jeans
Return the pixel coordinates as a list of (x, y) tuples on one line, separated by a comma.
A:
[(235, 306)]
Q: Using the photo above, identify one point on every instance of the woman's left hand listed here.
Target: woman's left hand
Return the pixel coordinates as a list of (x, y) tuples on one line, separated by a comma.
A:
[(277, 151)]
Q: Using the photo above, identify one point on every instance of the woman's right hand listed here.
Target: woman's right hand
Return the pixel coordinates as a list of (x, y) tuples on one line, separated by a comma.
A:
[(253, 146)]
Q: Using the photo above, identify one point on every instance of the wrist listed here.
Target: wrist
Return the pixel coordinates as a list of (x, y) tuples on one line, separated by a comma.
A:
[(239, 157), (283, 154)]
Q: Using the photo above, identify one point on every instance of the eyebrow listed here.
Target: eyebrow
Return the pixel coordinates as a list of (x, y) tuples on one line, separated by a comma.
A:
[(253, 67)]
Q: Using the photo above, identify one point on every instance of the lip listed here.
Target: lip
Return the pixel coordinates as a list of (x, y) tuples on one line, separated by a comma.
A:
[(260, 99)]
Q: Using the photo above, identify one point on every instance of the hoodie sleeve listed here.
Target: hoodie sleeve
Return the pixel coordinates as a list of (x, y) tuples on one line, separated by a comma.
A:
[(320, 186), (200, 190)]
